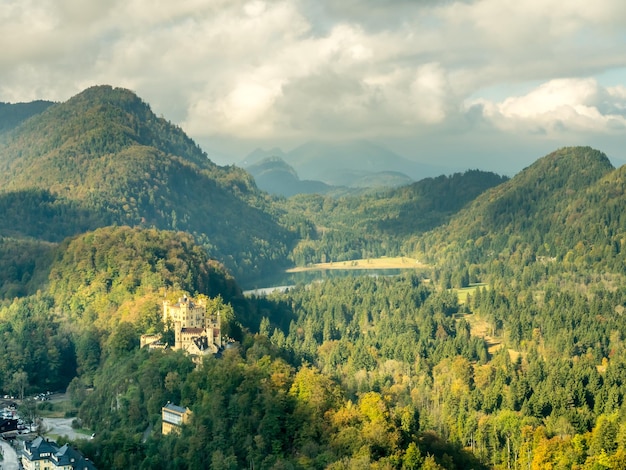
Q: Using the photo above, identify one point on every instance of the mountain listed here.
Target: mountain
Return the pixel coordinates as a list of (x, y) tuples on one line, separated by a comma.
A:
[(258, 155), (560, 200), (104, 158), (321, 160), (275, 176), (13, 114), (353, 164), (380, 223), (363, 179)]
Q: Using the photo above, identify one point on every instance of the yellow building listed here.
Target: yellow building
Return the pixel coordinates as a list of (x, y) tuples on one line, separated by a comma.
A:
[(195, 331), (173, 417), (185, 312)]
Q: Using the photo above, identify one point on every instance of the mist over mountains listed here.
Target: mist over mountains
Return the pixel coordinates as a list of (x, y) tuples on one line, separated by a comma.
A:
[(355, 164)]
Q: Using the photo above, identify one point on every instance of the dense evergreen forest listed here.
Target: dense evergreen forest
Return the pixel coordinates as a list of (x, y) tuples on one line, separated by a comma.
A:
[(377, 224), (13, 114), (103, 158), (506, 350)]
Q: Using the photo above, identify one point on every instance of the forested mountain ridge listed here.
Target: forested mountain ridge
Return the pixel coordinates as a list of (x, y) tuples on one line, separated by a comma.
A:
[(379, 223), (104, 158), (546, 211), (13, 114)]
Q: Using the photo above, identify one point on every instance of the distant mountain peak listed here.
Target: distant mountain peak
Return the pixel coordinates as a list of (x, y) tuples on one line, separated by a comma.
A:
[(272, 164), (274, 175), (259, 154), (317, 159)]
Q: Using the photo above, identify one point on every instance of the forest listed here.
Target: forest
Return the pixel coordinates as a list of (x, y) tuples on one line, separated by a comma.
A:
[(504, 349), (358, 372)]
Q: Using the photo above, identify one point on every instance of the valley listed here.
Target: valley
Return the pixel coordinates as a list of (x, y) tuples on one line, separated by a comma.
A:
[(498, 342)]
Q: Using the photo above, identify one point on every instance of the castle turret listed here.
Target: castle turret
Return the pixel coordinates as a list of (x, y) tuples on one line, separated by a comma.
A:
[(190, 322)]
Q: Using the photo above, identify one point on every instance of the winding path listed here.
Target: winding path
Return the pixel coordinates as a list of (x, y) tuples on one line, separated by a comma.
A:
[(9, 462)]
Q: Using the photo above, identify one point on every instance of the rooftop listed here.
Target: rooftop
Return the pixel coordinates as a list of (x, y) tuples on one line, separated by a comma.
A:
[(175, 408)]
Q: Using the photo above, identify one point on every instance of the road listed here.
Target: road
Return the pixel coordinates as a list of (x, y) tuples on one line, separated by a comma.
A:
[(10, 457), (62, 427)]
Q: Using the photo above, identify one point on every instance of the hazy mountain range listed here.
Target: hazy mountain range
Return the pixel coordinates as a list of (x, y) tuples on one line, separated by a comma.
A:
[(355, 164)]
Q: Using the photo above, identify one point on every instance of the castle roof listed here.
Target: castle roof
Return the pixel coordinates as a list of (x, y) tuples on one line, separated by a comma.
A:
[(192, 331)]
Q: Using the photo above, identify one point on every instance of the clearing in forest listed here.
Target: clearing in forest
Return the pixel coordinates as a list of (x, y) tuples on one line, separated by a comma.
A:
[(398, 262), (463, 292), (482, 329)]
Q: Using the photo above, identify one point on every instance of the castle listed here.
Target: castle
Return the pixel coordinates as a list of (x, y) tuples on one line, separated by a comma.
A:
[(195, 331)]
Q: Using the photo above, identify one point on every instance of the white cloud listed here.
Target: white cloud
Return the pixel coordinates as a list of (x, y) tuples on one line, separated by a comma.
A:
[(560, 106), (276, 69), (428, 92)]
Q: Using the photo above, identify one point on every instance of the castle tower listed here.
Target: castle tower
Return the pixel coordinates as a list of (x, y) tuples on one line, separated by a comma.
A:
[(195, 331), (185, 311)]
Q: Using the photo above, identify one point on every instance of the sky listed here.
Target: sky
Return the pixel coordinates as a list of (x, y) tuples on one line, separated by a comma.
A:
[(488, 84)]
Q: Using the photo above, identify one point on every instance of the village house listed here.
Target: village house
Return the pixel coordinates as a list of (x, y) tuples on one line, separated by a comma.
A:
[(42, 453)]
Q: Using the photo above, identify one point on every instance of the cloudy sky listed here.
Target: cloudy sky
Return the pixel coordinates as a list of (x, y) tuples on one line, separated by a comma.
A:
[(490, 84)]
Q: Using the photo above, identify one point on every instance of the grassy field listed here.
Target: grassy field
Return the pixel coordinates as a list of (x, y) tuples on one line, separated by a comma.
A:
[(59, 408), (400, 262), (463, 292), (480, 327)]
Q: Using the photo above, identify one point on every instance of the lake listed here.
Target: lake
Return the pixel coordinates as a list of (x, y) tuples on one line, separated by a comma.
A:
[(283, 281)]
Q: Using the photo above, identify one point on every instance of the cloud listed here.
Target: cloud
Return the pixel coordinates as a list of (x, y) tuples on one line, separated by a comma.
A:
[(299, 69), (560, 106)]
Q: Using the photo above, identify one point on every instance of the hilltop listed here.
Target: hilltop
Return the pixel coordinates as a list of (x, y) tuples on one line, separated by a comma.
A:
[(564, 207), (104, 158)]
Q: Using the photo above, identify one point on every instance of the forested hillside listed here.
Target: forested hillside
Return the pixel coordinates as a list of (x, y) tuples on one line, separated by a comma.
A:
[(101, 285), (561, 215), (521, 377), (378, 223), (505, 351), (104, 158), (13, 114)]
